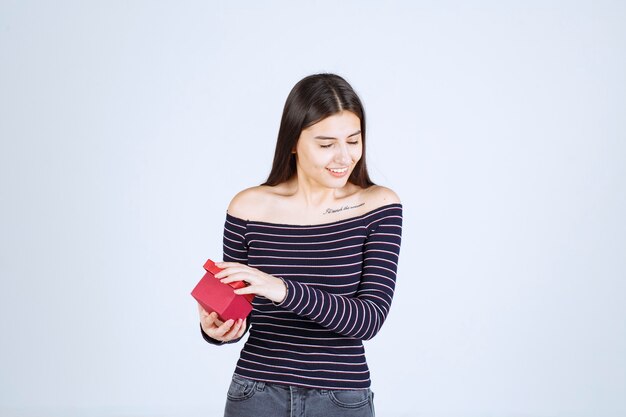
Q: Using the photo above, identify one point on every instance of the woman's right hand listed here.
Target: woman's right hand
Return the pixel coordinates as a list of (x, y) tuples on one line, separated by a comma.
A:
[(218, 330)]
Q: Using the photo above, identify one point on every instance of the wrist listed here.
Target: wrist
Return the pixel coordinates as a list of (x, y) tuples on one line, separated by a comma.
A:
[(284, 291)]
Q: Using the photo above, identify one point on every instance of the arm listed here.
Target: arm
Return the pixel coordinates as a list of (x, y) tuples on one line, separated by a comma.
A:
[(362, 315), (213, 330)]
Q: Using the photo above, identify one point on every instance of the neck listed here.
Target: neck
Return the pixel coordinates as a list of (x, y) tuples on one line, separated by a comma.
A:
[(314, 195)]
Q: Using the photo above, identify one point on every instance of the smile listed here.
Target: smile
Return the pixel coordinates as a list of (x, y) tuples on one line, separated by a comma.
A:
[(338, 170)]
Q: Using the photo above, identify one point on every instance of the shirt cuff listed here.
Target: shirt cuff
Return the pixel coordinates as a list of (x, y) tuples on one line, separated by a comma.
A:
[(294, 291)]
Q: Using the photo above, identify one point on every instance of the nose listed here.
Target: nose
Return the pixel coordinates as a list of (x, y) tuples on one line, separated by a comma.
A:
[(343, 156)]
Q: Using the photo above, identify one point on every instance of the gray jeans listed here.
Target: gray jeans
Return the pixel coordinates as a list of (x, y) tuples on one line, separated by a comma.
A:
[(260, 399)]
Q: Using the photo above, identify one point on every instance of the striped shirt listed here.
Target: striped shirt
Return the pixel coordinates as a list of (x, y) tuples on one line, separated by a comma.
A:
[(340, 279)]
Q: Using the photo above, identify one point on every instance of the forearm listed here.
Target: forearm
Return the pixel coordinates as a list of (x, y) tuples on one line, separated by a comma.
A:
[(360, 316)]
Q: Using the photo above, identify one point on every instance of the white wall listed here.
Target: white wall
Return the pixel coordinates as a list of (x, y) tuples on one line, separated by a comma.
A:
[(126, 127)]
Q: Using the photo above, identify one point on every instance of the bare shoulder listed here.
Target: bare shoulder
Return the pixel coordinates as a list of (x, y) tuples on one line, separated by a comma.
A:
[(378, 196), (248, 204), (257, 203)]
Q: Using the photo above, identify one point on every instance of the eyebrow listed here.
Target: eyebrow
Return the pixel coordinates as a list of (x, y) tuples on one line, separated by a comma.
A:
[(358, 132)]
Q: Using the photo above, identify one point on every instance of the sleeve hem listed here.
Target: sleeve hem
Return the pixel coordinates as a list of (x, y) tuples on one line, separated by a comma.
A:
[(289, 297)]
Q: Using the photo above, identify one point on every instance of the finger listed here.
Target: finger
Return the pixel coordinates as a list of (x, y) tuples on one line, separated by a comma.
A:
[(232, 333), (216, 321), (210, 321), (224, 328), (242, 329), (207, 323), (240, 277), (204, 316), (250, 289), (231, 271), (229, 335), (227, 264)]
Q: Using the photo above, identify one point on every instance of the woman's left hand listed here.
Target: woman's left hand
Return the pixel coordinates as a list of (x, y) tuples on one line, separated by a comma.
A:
[(259, 282)]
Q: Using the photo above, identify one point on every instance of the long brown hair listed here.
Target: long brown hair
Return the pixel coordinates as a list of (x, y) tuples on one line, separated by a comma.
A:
[(312, 99)]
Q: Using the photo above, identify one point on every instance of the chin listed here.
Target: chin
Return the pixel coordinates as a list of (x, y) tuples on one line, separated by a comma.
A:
[(337, 183)]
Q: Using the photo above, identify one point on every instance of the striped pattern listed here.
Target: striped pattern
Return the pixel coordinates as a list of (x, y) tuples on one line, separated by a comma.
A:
[(340, 278)]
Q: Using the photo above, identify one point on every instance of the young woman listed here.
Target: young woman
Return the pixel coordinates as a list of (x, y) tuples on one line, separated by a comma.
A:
[(318, 244)]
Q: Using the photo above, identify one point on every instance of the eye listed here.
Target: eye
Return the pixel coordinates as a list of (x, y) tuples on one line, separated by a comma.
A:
[(326, 146), (356, 142)]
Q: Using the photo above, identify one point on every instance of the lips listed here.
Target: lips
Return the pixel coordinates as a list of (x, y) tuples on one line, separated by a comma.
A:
[(338, 172)]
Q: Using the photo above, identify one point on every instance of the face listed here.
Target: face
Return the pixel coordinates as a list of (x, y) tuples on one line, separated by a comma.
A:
[(327, 152)]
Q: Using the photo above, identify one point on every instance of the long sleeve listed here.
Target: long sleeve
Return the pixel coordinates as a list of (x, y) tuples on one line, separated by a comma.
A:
[(235, 250), (234, 241), (362, 315)]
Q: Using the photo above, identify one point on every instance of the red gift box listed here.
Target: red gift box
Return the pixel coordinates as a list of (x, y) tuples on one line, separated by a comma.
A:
[(213, 295)]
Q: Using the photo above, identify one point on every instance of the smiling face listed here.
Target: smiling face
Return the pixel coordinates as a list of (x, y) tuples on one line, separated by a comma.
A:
[(327, 152)]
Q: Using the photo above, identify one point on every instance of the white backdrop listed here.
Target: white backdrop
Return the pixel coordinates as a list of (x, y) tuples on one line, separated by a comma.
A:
[(126, 128)]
